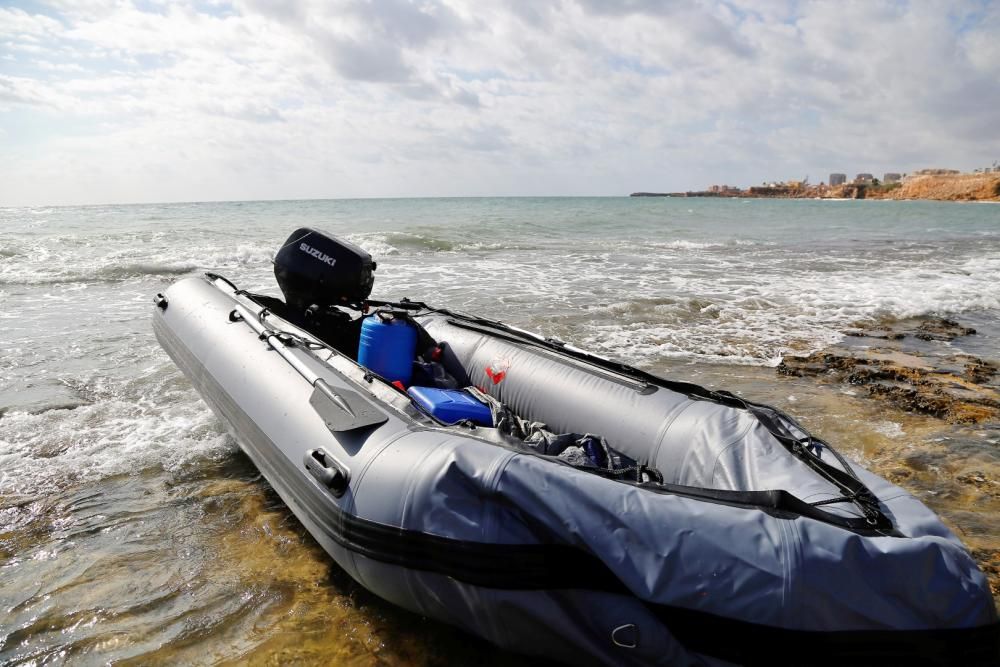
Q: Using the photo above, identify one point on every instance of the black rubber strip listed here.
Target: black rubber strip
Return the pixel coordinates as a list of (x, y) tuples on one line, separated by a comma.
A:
[(747, 643), (777, 503)]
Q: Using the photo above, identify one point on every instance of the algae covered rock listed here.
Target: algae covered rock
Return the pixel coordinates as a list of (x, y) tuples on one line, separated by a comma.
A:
[(910, 365)]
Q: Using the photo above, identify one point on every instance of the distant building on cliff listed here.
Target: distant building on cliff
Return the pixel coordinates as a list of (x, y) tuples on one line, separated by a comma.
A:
[(891, 177), (935, 172), (863, 179), (838, 179)]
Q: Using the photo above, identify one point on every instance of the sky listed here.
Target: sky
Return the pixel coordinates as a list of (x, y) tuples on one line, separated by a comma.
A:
[(119, 101)]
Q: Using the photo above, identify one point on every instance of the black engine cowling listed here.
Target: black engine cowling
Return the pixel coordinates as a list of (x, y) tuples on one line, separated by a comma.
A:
[(314, 268)]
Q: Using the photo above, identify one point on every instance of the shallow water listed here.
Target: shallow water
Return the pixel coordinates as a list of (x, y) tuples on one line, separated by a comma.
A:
[(133, 529)]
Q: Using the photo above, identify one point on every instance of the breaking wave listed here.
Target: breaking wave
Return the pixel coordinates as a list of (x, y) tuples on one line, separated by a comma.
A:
[(126, 428), (49, 267), (115, 273), (396, 243)]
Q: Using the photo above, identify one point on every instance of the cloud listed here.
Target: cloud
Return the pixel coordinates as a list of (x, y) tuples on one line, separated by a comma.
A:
[(411, 24), (17, 23), (364, 40), (465, 97), (264, 99), (624, 7), (29, 92), (243, 111), (480, 138), (374, 60)]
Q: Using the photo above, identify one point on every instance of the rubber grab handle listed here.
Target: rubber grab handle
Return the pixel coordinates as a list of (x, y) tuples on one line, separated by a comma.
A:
[(328, 471)]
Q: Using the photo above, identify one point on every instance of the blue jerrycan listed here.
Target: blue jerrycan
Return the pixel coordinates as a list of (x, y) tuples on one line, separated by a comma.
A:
[(388, 345)]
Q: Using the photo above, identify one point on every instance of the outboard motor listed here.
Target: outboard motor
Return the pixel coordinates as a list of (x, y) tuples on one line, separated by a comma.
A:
[(316, 270), (317, 273)]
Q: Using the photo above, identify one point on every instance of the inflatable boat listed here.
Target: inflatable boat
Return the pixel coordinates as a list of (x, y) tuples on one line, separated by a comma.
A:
[(559, 503)]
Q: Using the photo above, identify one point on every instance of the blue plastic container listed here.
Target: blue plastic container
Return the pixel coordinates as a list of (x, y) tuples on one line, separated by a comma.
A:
[(452, 405), (388, 347)]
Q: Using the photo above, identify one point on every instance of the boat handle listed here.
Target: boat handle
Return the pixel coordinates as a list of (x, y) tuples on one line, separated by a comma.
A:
[(328, 471), (625, 636)]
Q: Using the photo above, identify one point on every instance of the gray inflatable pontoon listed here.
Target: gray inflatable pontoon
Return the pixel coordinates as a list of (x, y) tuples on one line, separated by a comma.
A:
[(756, 544)]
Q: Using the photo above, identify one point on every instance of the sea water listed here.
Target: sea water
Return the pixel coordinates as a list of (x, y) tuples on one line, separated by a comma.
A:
[(132, 527)]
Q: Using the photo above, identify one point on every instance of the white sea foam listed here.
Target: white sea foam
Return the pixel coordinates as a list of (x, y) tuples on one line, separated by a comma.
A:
[(682, 244), (58, 262), (685, 245), (736, 309), (120, 432), (889, 429), (395, 243), (375, 244)]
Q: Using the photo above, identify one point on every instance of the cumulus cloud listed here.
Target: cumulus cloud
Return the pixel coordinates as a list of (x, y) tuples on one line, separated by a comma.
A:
[(250, 99)]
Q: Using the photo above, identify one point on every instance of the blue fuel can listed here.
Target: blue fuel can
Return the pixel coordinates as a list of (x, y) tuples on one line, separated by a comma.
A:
[(388, 346)]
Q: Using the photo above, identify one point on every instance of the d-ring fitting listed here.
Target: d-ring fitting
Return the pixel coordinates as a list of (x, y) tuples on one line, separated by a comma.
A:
[(625, 636)]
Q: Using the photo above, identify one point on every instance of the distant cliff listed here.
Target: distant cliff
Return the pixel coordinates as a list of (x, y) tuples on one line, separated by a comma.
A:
[(938, 187), (944, 187)]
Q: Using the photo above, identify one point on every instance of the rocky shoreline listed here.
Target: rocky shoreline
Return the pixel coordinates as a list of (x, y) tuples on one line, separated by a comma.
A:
[(931, 187), (911, 365)]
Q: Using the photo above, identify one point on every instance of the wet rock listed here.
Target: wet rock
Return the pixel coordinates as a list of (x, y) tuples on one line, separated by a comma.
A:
[(942, 329), (883, 334), (989, 563), (981, 481), (898, 475), (910, 365), (40, 396), (979, 371), (923, 328)]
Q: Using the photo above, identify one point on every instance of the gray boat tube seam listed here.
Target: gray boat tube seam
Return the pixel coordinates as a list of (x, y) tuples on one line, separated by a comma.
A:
[(661, 437)]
